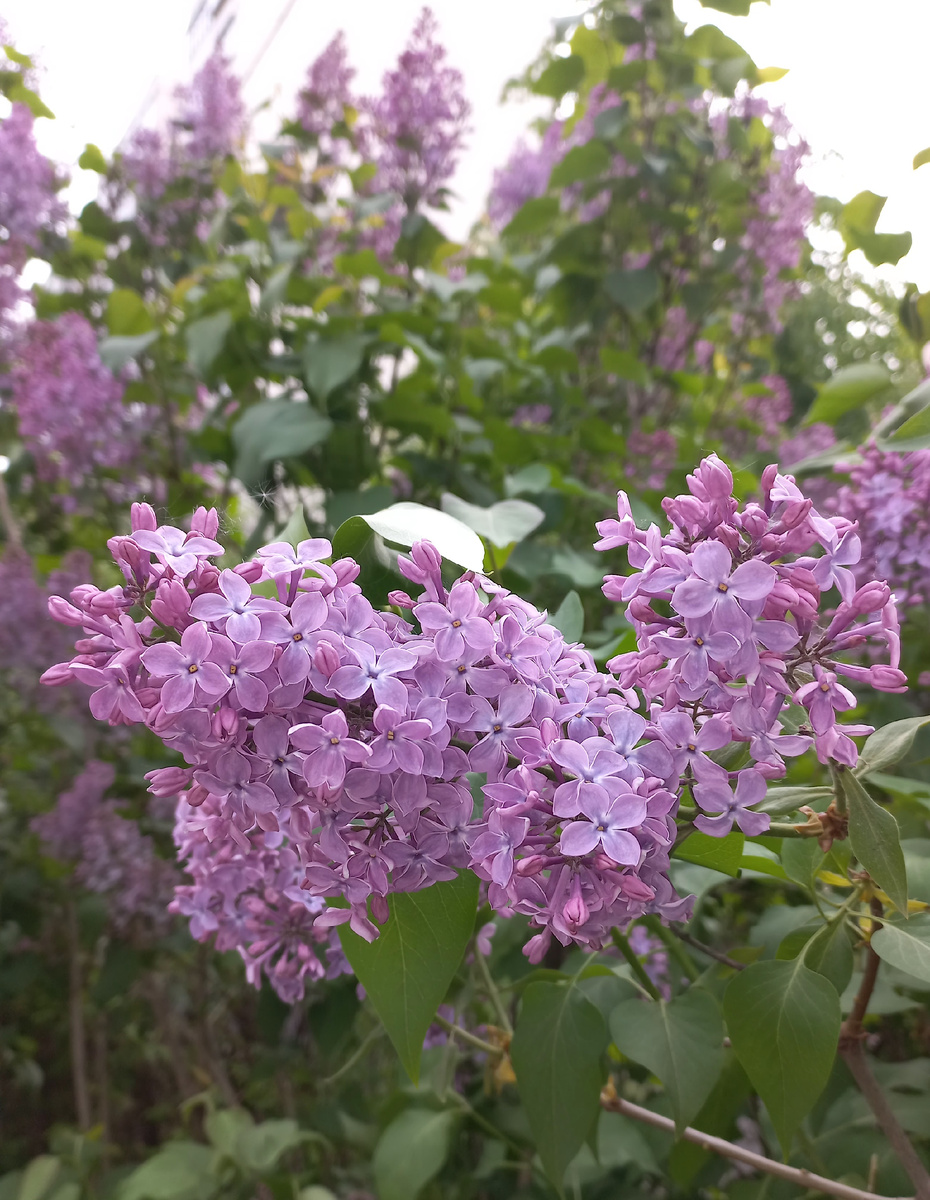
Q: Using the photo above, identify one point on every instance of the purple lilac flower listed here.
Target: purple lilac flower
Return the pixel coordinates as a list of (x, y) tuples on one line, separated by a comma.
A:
[(418, 123), (70, 408)]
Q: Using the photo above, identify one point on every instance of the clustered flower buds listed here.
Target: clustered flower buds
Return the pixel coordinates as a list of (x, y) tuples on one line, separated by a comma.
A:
[(332, 750)]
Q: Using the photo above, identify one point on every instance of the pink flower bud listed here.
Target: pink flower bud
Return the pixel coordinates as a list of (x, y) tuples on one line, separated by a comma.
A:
[(196, 796), (168, 781), (401, 599), (346, 570), (326, 659), (205, 522), (142, 516), (379, 909), (60, 610), (712, 480), (535, 949), (871, 597), (225, 723), (250, 571), (57, 675)]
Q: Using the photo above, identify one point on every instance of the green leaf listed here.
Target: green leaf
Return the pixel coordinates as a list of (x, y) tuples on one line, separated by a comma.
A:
[(273, 430), (719, 854), (857, 225), (116, 352), (275, 290), (680, 1041), (560, 76), (407, 970), (568, 618), (260, 1146), (876, 841), (917, 426), (905, 947), (771, 74), (825, 948), (179, 1171), (406, 523), (20, 94), (586, 161), (922, 158), (379, 573), (92, 159), (890, 745), (780, 800), (502, 524), (802, 858), (556, 1054), (625, 364), (14, 55), (329, 363), (849, 388), (535, 216), (205, 339), (38, 1177), (634, 290), (410, 1152), (127, 314), (784, 1023)]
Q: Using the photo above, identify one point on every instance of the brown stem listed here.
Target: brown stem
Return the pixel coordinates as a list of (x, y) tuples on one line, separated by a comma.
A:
[(852, 1052), (76, 1022), (102, 1074), (796, 1175)]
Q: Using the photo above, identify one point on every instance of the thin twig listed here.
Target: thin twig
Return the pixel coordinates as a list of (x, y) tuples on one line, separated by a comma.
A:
[(708, 950), (657, 929), (852, 1053), (796, 1175), (355, 1058), (623, 945), (463, 1035), (493, 994)]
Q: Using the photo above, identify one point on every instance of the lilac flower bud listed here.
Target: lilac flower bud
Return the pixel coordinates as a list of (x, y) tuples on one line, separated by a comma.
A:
[(58, 675), (205, 522), (379, 909), (60, 610), (346, 571), (169, 781), (712, 480), (400, 599), (251, 571), (326, 659), (142, 516)]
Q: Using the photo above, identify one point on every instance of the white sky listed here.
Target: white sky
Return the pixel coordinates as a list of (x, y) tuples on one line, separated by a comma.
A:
[(856, 87)]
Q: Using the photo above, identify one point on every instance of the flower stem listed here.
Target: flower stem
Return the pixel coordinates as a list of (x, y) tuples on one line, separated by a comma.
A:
[(623, 945)]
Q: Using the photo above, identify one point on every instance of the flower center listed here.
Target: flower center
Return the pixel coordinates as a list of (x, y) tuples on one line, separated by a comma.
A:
[(456, 624), (498, 728), (699, 641), (461, 668), (390, 735), (233, 668), (722, 587), (192, 669), (691, 747), (298, 637), (334, 741), (825, 687)]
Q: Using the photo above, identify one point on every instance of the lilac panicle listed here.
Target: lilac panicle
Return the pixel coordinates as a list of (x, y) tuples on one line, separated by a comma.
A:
[(328, 746), (419, 122)]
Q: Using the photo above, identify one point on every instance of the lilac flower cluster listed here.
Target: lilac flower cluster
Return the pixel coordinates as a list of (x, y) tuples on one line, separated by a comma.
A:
[(313, 724), (327, 93), (331, 748), (784, 205), (730, 611), (70, 407), (110, 855), (208, 125), (250, 900), (888, 494), (419, 120), (28, 185)]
